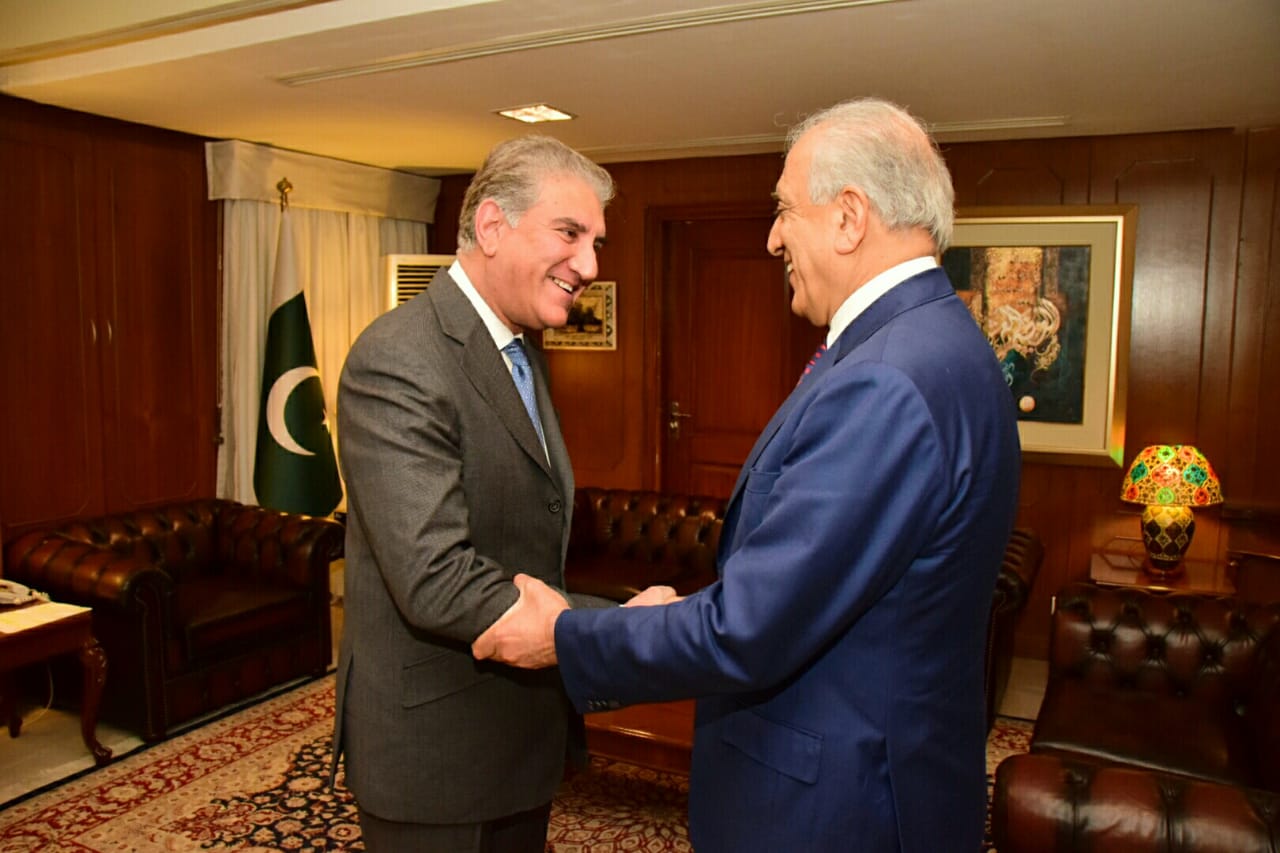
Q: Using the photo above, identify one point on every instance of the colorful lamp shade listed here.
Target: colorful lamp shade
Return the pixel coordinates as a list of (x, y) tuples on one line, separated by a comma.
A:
[(1169, 480)]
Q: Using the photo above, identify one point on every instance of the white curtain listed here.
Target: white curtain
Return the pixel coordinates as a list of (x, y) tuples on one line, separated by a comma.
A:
[(340, 263)]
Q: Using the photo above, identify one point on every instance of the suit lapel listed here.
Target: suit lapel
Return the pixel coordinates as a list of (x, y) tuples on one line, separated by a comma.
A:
[(484, 367), (917, 290)]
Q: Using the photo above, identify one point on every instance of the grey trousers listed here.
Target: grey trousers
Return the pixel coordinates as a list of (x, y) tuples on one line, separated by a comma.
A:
[(525, 832)]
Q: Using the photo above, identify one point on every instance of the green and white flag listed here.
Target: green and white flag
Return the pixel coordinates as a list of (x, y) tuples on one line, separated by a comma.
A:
[(294, 469)]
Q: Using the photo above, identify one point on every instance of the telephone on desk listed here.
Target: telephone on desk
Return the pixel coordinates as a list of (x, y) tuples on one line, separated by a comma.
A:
[(13, 593)]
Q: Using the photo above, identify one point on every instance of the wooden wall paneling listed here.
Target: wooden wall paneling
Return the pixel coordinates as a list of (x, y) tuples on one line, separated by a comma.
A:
[(1020, 172), (1187, 187), (50, 441), (1251, 470), (160, 402), (443, 233)]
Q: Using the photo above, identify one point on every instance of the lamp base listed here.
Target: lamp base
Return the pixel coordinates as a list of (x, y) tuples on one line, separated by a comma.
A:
[(1166, 532)]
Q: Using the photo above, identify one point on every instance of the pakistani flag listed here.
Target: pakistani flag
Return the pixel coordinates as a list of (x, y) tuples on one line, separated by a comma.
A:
[(294, 469)]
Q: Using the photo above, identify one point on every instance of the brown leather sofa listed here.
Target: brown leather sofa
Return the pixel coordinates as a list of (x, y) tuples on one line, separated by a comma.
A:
[(625, 540), (197, 604), (1159, 730)]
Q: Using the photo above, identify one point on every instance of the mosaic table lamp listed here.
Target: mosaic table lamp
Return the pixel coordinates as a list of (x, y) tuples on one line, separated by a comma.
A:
[(1170, 479)]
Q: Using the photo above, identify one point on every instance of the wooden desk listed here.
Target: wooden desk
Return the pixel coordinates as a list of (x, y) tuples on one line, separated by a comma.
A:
[(41, 643), (1124, 568), (658, 735)]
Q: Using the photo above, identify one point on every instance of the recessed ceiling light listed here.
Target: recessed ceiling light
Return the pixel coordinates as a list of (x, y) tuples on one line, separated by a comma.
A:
[(535, 113)]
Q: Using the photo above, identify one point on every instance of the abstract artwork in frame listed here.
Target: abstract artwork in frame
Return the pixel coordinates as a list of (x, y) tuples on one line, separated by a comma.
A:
[(1050, 288), (592, 322)]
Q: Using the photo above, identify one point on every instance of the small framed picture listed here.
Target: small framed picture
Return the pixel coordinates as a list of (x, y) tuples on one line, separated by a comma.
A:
[(592, 323)]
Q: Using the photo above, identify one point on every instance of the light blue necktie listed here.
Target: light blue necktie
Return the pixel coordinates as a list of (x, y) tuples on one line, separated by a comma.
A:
[(523, 376)]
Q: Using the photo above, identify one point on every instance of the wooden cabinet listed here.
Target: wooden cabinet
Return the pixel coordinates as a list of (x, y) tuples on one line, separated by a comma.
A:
[(108, 317)]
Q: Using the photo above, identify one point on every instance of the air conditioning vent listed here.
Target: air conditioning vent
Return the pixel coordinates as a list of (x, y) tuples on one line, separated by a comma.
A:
[(405, 276)]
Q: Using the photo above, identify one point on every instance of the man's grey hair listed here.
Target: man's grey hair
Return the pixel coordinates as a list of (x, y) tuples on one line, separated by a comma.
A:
[(512, 176), (885, 151)]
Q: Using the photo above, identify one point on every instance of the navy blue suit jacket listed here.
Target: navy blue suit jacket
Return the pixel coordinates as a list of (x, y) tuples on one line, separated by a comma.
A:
[(838, 661)]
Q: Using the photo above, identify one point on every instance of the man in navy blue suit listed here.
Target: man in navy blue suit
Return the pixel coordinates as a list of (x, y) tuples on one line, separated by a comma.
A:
[(838, 660)]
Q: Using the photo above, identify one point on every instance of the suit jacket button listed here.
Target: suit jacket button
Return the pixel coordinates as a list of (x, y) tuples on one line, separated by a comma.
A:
[(555, 505)]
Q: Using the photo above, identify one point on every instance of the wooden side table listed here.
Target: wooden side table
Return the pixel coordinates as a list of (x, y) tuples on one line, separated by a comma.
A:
[(42, 642), (1123, 567)]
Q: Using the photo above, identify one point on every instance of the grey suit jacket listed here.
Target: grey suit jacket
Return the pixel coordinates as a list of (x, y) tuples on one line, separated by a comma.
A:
[(449, 494)]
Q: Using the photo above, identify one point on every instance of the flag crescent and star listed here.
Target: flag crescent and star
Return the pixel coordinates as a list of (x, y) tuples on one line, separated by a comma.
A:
[(295, 469), (276, 401)]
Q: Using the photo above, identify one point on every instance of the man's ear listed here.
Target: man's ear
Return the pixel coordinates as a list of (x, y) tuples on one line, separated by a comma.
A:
[(855, 212), (490, 223)]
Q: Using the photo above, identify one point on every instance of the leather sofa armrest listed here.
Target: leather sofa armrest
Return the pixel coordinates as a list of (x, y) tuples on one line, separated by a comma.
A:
[(84, 573), (270, 543), (1022, 558), (1045, 803)]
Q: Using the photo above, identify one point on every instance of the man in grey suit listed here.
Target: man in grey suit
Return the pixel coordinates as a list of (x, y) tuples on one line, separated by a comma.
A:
[(453, 488)]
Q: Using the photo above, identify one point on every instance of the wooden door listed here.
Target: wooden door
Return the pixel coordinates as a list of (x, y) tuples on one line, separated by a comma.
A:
[(108, 317), (50, 434), (731, 349), (158, 313)]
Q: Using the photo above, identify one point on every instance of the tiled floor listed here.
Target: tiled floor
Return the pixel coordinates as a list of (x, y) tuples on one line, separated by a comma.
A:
[(1026, 689)]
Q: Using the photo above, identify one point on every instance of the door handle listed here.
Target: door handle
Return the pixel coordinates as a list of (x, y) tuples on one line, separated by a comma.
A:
[(674, 416)]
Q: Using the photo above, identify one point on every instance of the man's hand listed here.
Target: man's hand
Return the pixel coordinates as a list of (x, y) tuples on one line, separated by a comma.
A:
[(654, 595), (524, 636)]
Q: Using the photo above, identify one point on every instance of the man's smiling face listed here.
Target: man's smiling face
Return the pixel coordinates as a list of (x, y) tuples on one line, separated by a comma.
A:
[(548, 256), (802, 234)]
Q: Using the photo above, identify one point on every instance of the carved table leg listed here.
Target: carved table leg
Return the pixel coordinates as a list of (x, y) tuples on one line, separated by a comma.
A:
[(94, 662)]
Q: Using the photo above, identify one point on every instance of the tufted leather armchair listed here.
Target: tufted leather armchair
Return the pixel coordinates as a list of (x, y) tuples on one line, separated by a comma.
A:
[(196, 604), (1159, 730), (625, 540)]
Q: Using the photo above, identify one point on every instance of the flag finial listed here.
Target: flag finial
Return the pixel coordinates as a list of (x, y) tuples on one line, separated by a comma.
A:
[(284, 188)]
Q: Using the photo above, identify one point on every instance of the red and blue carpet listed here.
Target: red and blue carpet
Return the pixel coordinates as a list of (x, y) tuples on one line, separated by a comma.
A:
[(256, 780)]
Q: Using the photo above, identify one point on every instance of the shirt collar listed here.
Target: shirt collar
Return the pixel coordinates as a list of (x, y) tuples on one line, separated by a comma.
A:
[(862, 298), (497, 329)]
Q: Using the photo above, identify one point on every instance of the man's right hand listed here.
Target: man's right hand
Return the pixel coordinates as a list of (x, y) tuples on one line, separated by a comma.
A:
[(654, 595)]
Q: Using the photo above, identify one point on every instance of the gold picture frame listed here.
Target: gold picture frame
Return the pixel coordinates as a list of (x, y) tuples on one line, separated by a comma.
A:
[(1051, 289), (592, 322)]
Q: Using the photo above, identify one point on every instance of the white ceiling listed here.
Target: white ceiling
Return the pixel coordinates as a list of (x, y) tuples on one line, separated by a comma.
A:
[(413, 84)]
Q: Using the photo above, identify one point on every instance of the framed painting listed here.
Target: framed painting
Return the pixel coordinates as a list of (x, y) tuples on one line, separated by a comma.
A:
[(592, 323), (1050, 287)]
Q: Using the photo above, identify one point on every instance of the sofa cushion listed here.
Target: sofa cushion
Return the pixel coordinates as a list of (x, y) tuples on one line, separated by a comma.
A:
[(1049, 802), (220, 616)]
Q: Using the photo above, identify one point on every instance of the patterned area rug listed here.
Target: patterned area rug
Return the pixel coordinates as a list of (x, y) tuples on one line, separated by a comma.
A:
[(256, 781)]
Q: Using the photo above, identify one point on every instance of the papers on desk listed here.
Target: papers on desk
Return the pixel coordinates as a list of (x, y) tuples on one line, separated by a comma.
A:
[(34, 615)]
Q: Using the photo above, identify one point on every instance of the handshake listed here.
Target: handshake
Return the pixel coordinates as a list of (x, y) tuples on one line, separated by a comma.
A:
[(525, 636)]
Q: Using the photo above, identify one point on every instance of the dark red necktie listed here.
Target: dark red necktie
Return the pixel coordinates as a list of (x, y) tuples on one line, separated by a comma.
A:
[(808, 368)]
